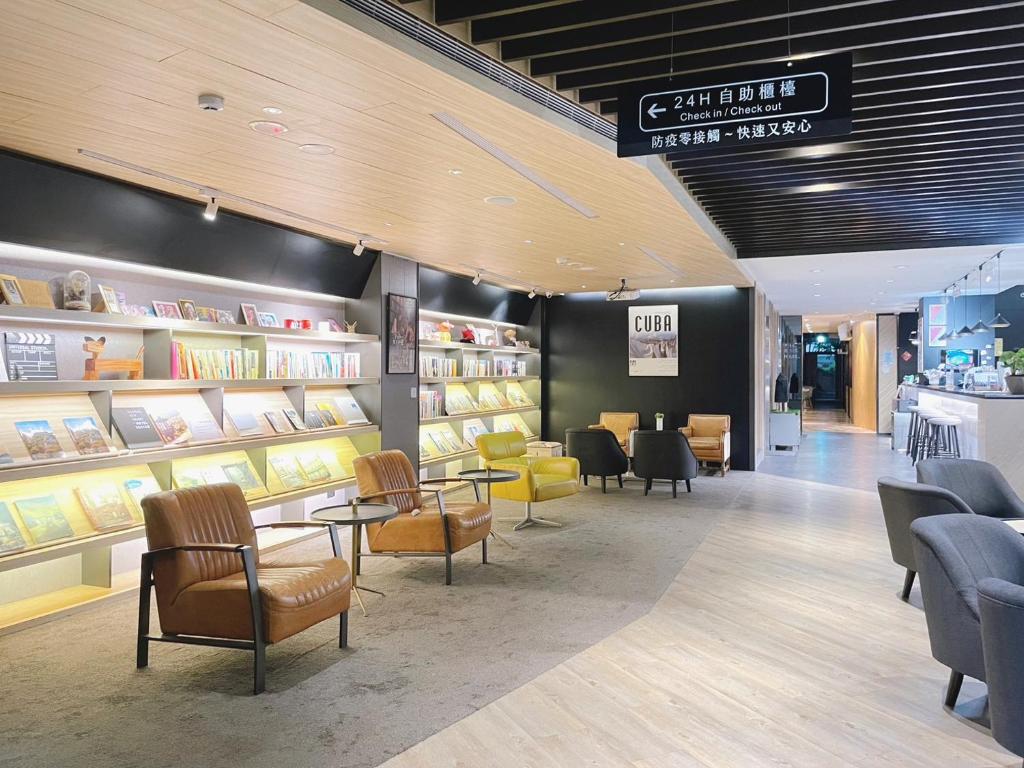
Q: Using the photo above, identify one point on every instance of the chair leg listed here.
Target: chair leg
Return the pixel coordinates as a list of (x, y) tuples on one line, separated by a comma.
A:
[(908, 584), (620, 481), (647, 486), (956, 679), (259, 668), (484, 555), (586, 479), (447, 569), (343, 630), (604, 484), (688, 488), (674, 495), (145, 592)]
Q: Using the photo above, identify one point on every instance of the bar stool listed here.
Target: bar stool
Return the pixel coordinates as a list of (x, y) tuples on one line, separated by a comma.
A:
[(920, 446), (943, 437), (913, 409)]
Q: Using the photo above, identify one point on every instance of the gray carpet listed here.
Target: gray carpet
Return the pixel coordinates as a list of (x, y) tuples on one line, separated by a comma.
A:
[(425, 657)]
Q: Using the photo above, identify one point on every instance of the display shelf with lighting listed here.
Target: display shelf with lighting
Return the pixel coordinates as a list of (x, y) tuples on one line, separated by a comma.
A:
[(70, 482)]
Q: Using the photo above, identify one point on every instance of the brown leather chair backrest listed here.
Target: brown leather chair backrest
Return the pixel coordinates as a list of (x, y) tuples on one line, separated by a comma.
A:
[(620, 423), (210, 514), (709, 425), (384, 471)]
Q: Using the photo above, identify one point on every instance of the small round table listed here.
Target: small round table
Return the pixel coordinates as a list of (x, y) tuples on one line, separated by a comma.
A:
[(356, 514), (487, 477)]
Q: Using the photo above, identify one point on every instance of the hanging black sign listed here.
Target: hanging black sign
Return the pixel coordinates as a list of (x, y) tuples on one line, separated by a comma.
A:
[(739, 106)]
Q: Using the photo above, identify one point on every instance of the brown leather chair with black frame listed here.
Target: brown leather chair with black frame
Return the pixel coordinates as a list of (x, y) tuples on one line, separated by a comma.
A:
[(709, 438), (212, 589), (388, 476), (618, 423)]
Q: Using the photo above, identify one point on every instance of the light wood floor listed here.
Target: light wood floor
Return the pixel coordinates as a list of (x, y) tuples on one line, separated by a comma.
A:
[(781, 643), (831, 420)]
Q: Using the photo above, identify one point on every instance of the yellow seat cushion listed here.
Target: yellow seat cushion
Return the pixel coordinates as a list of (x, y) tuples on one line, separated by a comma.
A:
[(705, 443), (547, 487)]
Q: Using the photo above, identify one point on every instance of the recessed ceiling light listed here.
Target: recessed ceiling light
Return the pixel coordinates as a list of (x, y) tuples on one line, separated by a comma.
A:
[(817, 295), (672, 280), (890, 280), (621, 244), (901, 266), (388, 224), (268, 127), (820, 187), (316, 149), (583, 286), (528, 242), (817, 285), (503, 200), (881, 293), (455, 171), (272, 110), (816, 270), (818, 150), (584, 268)]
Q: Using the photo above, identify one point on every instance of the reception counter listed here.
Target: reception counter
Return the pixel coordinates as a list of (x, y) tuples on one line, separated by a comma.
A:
[(993, 425)]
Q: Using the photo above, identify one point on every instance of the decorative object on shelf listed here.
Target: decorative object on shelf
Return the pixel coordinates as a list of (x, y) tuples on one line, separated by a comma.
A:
[(167, 309), (207, 314), (654, 341), (1014, 362), (188, 309), (659, 421), (224, 316), (510, 338), (77, 291), (30, 356), (267, 320), (401, 353), (106, 300), (249, 314), (468, 335), (349, 327), (306, 325), (36, 293), (94, 366), (10, 288), (523, 344), (444, 329), (292, 323)]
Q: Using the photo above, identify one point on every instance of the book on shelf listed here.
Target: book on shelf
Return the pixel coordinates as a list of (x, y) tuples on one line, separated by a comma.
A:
[(213, 474), (87, 436), (287, 471), (435, 366), (471, 429), (429, 331), (517, 396), (313, 468), (44, 519), (189, 362), (246, 423), (315, 419), (509, 368), (458, 401), (512, 422), (171, 427), (187, 478), (11, 539), (283, 364), (329, 413), (278, 421), (431, 404), (135, 427), (204, 429), (491, 399), (295, 419), (472, 367), (39, 439), (139, 488), (241, 474), (350, 411), (104, 506)]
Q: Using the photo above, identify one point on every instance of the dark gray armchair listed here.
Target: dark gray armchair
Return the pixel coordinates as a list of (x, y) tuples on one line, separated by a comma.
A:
[(978, 483), (1002, 626), (953, 554), (663, 455), (902, 504), (598, 452)]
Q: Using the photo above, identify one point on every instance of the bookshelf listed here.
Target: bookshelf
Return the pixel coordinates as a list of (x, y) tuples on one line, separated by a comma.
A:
[(466, 389), (63, 568)]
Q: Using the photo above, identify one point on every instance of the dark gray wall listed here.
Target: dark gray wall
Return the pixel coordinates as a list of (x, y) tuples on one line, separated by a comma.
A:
[(52, 206), (966, 309), (444, 292), (399, 392), (1010, 303), (907, 322), (586, 363)]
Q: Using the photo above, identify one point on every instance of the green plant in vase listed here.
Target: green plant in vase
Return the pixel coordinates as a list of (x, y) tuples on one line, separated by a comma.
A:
[(1014, 362)]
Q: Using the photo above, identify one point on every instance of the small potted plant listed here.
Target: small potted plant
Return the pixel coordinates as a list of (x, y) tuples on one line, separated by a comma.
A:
[(659, 421), (1014, 362)]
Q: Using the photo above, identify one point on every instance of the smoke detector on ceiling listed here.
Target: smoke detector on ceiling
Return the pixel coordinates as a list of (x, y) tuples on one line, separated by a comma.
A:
[(211, 102)]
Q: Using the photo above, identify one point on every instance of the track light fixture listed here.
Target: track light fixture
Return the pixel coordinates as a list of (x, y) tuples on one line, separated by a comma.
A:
[(477, 278), (533, 293), (548, 294), (359, 248), (211, 209)]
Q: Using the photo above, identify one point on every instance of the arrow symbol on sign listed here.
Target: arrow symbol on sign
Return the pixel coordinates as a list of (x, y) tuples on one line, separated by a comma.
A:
[(655, 110)]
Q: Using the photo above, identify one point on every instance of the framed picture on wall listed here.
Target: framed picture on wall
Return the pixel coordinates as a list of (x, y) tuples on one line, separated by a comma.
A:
[(654, 341), (402, 312)]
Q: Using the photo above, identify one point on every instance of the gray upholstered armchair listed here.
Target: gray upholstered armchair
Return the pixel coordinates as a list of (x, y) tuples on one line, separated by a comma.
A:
[(978, 483), (1002, 626), (954, 553), (902, 504)]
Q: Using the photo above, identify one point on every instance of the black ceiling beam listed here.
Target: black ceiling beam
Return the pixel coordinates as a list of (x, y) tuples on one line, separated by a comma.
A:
[(452, 11), (910, 204), (876, 245), (786, 224)]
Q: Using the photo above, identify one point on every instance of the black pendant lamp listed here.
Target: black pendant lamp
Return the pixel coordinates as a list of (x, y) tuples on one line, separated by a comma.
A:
[(999, 321), (964, 330), (980, 327)]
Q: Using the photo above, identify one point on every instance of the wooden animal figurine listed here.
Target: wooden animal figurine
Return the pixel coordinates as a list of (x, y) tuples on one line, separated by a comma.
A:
[(351, 327), (94, 366)]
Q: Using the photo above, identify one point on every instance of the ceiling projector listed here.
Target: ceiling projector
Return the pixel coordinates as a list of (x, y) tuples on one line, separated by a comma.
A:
[(622, 293)]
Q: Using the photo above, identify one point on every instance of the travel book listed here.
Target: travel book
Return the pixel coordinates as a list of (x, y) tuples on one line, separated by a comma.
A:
[(327, 414), (315, 419), (138, 489), (246, 423), (87, 436), (171, 427), (241, 474), (205, 429), (104, 507), (313, 468), (350, 410), (287, 471), (471, 429), (44, 519), (39, 439), (278, 421), (11, 539), (213, 475), (295, 419), (135, 427), (184, 478), (328, 408)]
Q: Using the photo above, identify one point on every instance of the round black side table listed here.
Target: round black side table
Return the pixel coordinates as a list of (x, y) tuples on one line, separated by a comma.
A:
[(489, 476)]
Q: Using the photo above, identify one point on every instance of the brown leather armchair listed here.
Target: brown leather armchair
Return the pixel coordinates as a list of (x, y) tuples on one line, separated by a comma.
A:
[(621, 424), (709, 438), (211, 588), (388, 476)]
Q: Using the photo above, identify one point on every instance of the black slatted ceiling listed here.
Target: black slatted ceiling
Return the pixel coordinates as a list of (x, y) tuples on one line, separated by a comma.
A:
[(937, 153)]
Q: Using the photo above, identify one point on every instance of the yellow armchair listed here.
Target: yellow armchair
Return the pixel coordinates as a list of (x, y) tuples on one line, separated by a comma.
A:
[(541, 478)]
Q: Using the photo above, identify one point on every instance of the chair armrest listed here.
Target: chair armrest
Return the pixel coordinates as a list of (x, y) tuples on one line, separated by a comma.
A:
[(687, 431), (332, 530), (557, 465), (198, 546), (437, 493), (436, 480), (597, 426)]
